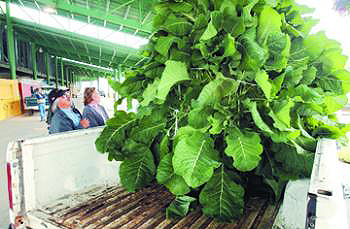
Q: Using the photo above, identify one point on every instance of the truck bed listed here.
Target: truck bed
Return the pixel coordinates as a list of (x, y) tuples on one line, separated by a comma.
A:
[(114, 207)]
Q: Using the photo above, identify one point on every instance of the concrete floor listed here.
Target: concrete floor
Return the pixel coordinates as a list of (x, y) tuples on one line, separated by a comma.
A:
[(23, 127)]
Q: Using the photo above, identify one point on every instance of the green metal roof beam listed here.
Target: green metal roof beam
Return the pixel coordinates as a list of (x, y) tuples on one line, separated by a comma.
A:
[(72, 8), (73, 36), (57, 51), (61, 52), (87, 51)]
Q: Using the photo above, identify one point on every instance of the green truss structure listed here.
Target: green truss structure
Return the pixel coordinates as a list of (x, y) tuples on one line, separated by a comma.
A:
[(128, 16)]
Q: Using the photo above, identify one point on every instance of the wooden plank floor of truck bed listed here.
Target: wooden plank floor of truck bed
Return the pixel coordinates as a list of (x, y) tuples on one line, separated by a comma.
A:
[(113, 207)]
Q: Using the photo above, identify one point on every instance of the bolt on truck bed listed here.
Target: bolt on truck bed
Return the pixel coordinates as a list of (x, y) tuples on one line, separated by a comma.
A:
[(60, 181)]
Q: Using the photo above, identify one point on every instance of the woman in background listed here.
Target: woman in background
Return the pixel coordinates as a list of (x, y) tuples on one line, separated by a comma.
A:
[(93, 111)]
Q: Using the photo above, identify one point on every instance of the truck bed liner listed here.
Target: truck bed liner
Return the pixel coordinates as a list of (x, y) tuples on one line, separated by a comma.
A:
[(114, 207)]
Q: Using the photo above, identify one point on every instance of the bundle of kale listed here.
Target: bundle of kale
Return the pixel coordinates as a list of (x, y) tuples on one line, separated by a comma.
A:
[(233, 98)]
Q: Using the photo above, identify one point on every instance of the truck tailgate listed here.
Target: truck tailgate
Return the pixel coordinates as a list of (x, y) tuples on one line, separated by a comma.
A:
[(113, 207)]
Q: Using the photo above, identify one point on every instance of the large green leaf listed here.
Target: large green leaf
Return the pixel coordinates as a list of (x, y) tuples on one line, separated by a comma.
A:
[(114, 134), (335, 83), (179, 207), (332, 60), (315, 44), (165, 175), (178, 25), (245, 149), (294, 75), (237, 26), (279, 48), (335, 103), (276, 186), (163, 44), (164, 147), (292, 164), (298, 55), (138, 170), (209, 32), (262, 79), (229, 45), (174, 72), (150, 93), (195, 159), (309, 75), (147, 131), (215, 90), (282, 111), (269, 23), (217, 122), (180, 7), (254, 56), (221, 197), (259, 122), (197, 117), (276, 84), (248, 18), (308, 94)]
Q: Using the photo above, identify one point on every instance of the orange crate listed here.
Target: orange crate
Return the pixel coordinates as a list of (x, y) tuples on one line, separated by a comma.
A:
[(9, 89), (9, 108)]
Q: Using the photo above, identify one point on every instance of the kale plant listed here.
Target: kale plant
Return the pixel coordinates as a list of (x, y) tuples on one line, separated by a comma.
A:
[(233, 98)]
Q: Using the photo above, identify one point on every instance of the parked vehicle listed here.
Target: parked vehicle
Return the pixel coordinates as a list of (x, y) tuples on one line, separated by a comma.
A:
[(102, 93), (60, 181)]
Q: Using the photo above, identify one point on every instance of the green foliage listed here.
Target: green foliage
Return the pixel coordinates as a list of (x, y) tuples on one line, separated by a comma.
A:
[(233, 98), (179, 207), (245, 148), (221, 197)]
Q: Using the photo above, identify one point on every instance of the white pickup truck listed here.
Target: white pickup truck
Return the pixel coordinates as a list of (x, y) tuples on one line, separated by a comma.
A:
[(60, 181)]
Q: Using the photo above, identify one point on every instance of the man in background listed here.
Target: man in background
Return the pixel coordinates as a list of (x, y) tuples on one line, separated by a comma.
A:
[(41, 100)]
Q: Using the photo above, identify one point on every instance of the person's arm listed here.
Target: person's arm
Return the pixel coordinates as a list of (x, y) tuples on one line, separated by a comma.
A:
[(65, 124), (105, 112), (89, 115), (60, 123)]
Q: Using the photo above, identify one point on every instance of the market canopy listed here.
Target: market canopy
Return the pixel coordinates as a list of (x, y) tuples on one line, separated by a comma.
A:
[(105, 33)]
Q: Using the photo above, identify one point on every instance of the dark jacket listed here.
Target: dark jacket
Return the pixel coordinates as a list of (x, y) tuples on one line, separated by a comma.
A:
[(93, 116), (60, 122)]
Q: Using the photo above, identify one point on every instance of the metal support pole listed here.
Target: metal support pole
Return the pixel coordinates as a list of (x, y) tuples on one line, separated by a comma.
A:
[(114, 74), (70, 78), (34, 65), (10, 42), (47, 65), (56, 71), (67, 77), (73, 79), (62, 75), (120, 75)]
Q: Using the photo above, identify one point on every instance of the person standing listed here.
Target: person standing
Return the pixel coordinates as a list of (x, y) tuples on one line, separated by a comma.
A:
[(93, 111), (41, 100)]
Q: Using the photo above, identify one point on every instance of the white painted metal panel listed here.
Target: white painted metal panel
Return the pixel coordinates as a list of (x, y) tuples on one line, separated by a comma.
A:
[(63, 164), (326, 184)]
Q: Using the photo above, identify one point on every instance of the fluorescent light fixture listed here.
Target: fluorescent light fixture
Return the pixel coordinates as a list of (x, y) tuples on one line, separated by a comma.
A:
[(90, 65), (49, 10), (75, 26)]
